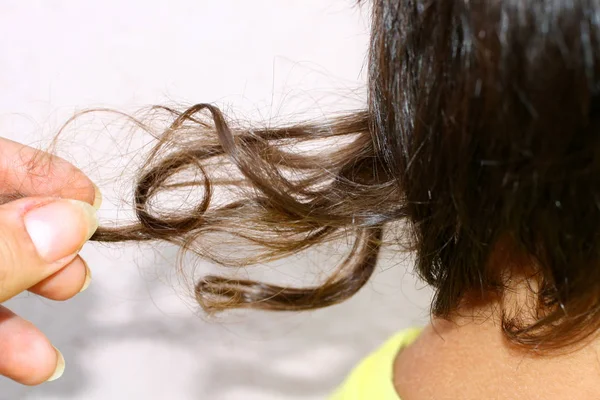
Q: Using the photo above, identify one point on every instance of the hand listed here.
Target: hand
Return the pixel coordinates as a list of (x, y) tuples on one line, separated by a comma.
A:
[(40, 235)]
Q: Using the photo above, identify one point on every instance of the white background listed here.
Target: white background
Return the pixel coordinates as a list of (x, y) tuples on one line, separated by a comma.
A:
[(136, 333)]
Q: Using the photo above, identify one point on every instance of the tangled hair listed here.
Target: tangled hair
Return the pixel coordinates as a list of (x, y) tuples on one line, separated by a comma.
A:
[(483, 126)]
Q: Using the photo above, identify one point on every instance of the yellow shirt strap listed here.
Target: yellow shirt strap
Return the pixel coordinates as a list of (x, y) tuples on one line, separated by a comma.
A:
[(372, 378)]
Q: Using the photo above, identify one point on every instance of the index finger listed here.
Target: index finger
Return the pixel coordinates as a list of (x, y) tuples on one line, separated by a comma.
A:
[(25, 171)]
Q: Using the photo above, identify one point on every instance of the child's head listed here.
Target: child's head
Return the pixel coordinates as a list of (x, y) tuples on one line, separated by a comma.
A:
[(482, 132), (488, 115)]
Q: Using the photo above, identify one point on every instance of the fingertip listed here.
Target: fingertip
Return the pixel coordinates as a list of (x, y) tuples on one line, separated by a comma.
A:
[(47, 225), (88, 277), (60, 366), (37, 173), (28, 357), (72, 279), (97, 197)]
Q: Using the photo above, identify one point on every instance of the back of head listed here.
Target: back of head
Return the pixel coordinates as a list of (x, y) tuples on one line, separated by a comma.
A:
[(488, 115)]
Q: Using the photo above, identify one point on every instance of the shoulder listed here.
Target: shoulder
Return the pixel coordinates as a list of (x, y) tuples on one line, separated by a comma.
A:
[(372, 378)]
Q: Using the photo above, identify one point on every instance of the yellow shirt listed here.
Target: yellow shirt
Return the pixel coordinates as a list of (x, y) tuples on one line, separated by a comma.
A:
[(372, 378)]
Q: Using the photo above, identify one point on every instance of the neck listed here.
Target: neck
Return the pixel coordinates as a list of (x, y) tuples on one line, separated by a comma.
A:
[(470, 358)]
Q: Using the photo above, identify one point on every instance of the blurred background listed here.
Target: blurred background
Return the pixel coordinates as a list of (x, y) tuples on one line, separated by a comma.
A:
[(136, 333)]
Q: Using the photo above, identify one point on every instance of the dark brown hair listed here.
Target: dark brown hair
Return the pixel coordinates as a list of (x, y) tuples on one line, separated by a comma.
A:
[(483, 126)]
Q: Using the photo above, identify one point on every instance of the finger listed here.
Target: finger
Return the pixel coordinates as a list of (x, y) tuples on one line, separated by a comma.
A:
[(65, 283), (38, 237), (27, 355), (27, 172)]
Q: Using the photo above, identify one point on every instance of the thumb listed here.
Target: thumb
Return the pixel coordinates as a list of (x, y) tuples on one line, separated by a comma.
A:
[(39, 236)]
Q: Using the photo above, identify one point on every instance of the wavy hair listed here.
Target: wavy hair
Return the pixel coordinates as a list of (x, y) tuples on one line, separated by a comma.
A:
[(483, 125)]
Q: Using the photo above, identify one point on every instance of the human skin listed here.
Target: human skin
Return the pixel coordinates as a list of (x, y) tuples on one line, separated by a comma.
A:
[(48, 212)]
